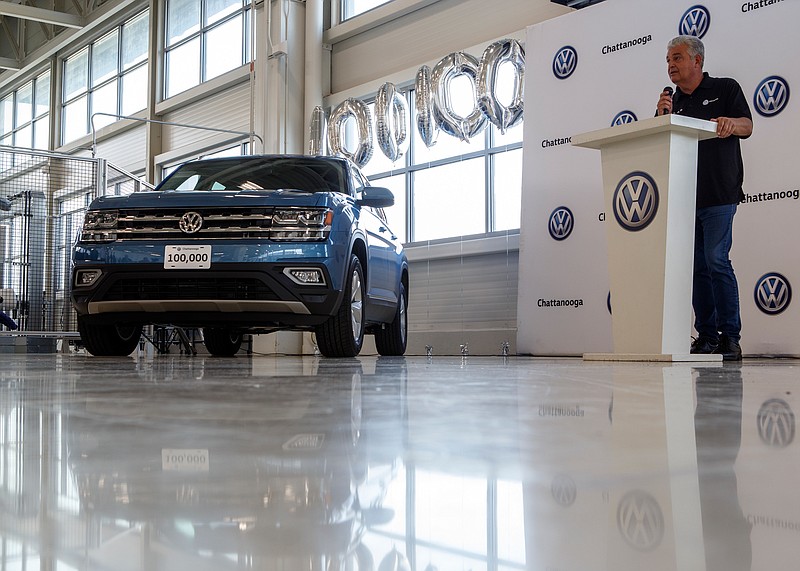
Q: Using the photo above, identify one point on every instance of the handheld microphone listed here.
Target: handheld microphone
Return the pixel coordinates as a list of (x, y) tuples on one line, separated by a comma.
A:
[(669, 91)]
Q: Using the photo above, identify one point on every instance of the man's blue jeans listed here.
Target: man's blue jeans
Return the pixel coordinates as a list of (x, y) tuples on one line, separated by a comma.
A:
[(715, 294)]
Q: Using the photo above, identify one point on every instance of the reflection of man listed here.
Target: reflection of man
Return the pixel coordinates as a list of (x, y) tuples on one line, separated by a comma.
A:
[(718, 432), (720, 173)]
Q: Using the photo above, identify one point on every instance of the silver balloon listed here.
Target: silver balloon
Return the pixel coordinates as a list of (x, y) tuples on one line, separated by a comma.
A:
[(504, 51), (359, 111), (318, 136), (394, 561), (423, 98), (391, 120), (447, 69)]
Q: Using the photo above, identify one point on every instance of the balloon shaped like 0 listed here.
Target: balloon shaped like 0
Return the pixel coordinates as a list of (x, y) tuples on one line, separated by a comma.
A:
[(391, 119), (447, 69), (318, 136), (359, 111), (423, 98), (504, 51), (394, 561)]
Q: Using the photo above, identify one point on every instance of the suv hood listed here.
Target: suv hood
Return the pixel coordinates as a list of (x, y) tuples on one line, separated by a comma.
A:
[(240, 198)]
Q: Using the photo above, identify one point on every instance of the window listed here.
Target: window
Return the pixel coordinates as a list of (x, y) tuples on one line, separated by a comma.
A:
[(454, 188), (25, 115), (351, 8), (107, 77), (237, 150), (204, 39)]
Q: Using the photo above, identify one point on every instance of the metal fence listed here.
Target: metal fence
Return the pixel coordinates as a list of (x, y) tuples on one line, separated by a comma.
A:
[(46, 196)]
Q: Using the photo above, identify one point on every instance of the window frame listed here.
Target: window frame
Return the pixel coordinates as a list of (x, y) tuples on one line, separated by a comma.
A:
[(10, 138), (407, 167), (202, 34), (90, 90)]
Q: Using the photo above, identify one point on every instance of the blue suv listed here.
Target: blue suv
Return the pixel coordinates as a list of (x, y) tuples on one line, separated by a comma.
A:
[(244, 245)]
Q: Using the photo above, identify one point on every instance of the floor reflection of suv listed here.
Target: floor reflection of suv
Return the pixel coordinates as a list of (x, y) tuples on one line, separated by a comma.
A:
[(244, 245)]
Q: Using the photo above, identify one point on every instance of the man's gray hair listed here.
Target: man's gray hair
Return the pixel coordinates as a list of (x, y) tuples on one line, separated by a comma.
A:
[(693, 44)]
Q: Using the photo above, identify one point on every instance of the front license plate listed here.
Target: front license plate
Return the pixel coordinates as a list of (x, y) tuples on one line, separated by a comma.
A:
[(184, 460), (187, 257)]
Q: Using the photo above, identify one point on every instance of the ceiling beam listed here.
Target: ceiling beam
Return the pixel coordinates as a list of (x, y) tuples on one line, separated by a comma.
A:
[(40, 15), (8, 63)]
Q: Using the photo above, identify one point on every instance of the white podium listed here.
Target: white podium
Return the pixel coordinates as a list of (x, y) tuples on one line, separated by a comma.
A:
[(649, 181)]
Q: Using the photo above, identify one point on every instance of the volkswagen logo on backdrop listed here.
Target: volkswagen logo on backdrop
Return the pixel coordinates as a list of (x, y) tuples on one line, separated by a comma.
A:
[(776, 425), (695, 21), (773, 293), (624, 117), (191, 222), (640, 520), (635, 201), (771, 96), (564, 490), (565, 62), (561, 223)]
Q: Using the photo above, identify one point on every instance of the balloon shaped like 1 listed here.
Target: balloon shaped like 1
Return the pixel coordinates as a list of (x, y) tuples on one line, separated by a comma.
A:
[(504, 51), (359, 112), (318, 135), (447, 69), (423, 98), (391, 119)]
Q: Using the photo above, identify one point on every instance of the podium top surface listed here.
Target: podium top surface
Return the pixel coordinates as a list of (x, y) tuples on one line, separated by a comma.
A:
[(661, 124)]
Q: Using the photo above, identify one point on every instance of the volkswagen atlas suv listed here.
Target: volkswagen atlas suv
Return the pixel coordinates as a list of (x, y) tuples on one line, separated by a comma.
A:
[(244, 245)]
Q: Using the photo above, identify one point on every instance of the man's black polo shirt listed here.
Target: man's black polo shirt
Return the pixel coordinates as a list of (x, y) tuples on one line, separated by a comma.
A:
[(720, 170)]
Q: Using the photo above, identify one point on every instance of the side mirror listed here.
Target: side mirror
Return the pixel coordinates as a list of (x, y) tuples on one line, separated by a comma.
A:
[(5, 204), (376, 197)]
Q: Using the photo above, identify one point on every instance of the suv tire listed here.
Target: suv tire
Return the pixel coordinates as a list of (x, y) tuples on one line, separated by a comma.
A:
[(342, 335), (222, 342), (109, 340), (391, 340)]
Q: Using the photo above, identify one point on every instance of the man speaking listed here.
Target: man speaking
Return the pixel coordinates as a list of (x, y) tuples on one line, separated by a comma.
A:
[(720, 173)]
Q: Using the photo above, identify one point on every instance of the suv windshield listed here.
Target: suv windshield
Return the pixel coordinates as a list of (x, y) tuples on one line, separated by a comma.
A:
[(258, 173)]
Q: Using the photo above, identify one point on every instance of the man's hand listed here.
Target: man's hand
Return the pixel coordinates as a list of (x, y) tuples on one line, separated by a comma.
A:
[(727, 126)]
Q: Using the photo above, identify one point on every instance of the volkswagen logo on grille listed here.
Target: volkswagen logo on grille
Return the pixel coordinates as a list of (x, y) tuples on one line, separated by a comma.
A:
[(561, 223), (564, 490), (565, 62), (695, 21), (772, 96), (624, 117), (776, 424), (635, 201), (640, 520), (191, 222), (773, 293)]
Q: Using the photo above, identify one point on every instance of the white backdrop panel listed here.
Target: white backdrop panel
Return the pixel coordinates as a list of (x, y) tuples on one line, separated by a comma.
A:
[(621, 49)]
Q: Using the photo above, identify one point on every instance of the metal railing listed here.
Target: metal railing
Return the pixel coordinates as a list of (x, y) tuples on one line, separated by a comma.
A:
[(46, 195)]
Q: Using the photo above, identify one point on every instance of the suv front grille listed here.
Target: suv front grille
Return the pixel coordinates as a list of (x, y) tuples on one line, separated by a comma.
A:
[(175, 288), (218, 223)]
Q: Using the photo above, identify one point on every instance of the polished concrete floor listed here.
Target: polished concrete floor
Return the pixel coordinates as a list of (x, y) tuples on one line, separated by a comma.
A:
[(455, 464)]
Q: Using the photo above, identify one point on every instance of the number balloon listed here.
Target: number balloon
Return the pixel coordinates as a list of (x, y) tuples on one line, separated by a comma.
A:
[(504, 51), (423, 98), (447, 69), (317, 138), (359, 112), (391, 116)]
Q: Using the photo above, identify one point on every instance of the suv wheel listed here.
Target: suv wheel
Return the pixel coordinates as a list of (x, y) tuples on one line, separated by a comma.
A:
[(342, 335), (222, 342), (109, 340), (393, 337)]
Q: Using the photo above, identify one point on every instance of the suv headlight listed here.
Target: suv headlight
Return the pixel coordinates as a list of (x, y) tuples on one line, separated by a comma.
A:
[(100, 226), (301, 224)]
